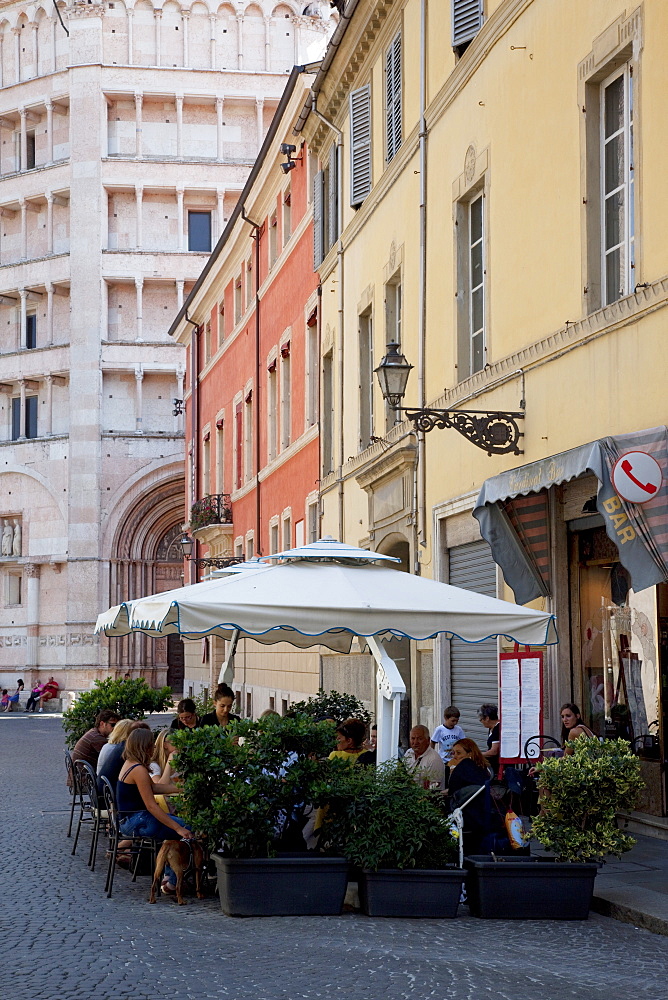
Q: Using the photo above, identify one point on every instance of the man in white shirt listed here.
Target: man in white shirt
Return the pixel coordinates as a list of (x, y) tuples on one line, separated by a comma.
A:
[(424, 763)]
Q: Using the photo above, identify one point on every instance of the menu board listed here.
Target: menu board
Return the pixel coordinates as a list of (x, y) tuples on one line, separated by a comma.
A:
[(520, 686)]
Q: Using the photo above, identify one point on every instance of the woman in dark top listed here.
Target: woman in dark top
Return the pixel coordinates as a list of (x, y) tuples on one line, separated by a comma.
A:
[(468, 769), (186, 715), (489, 716), (223, 700), (138, 813)]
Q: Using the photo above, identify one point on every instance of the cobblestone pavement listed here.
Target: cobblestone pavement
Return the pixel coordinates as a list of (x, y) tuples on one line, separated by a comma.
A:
[(62, 939)]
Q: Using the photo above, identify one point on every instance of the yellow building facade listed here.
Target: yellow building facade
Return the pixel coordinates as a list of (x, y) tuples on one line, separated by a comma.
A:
[(490, 199)]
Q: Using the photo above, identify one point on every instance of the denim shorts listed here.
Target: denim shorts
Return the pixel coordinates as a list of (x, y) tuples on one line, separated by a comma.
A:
[(145, 824)]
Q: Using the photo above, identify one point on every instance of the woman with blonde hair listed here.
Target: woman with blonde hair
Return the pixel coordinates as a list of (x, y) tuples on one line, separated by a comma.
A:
[(110, 761), (162, 753), (139, 814)]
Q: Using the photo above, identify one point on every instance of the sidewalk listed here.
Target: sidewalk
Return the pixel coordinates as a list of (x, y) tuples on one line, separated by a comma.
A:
[(635, 888)]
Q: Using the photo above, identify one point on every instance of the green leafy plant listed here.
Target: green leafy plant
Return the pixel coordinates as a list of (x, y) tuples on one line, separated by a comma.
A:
[(382, 818), (132, 699), (580, 796), (247, 788), (332, 705), (203, 704)]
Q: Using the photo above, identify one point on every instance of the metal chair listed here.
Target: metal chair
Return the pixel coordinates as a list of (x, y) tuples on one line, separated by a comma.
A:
[(534, 746), (142, 843), (98, 812), (89, 805), (73, 788)]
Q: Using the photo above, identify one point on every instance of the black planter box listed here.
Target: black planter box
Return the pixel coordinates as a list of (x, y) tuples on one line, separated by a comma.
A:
[(411, 892), (283, 886), (529, 888)]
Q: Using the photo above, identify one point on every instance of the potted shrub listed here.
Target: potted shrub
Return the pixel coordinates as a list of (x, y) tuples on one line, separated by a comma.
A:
[(248, 789), (130, 698), (580, 796), (399, 834), (332, 705)]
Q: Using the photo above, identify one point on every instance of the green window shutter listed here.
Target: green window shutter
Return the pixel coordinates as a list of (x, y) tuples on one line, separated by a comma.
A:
[(466, 21), (333, 214), (360, 145), (393, 95), (318, 221)]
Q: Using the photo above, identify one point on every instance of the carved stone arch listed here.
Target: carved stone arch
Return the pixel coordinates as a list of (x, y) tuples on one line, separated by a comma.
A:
[(145, 560)]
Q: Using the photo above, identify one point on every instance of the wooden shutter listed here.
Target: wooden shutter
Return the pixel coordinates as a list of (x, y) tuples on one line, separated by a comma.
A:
[(466, 21), (393, 92), (318, 248), (360, 145), (333, 214)]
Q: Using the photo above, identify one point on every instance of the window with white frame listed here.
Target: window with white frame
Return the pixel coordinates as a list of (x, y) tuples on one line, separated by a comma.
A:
[(238, 303), (287, 532), (312, 360), (299, 533), (13, 589), (365, 324), (476, 283), (313, 519), (249, 281), (393, 101), (207, 341), (273, 538), (250, 544), (273, 240), (287, 214), (206, 464), (286, 408), (221, 323), (272, 409), (327, 448), (248, 435), (617, 186), (220, 455)]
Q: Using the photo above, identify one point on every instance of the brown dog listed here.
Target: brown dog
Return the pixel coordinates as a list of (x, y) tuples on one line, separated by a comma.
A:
[(177, 854)]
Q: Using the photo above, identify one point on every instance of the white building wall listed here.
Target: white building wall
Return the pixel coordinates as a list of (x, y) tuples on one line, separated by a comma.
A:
[(107, 139)]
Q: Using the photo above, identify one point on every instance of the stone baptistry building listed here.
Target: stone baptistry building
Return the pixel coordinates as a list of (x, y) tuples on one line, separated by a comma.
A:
[(127, 131)]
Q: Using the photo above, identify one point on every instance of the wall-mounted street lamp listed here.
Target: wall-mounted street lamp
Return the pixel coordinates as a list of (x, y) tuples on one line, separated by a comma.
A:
[(495, 432), (187, 543), (287, 149), (178, 407)]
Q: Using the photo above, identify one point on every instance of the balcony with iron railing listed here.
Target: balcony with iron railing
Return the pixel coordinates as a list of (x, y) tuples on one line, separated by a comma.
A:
[(216, 508)]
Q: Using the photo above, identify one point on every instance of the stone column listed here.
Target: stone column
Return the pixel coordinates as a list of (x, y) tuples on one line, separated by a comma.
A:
[(259, 109), (17, 53), (213, 20), (267, 43), (180, 376), (23, 140), (49, 314), (55, 25), (179, 124), (48, 418), (130, 40), (139, 286), (35, 64), (220, 200), (139, 100), (219, 127), (139, 197), (179, 216), (139, 401), (180, 283), (22, 409), (23, 294), (49, 132), (240, 37), (32, 611), (185, 17), (104, 310), (24, 228), (157, 14), (49, 222)]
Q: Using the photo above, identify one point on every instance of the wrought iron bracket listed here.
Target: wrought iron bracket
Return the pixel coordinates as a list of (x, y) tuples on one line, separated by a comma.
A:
[(496, 432), (218, 563)]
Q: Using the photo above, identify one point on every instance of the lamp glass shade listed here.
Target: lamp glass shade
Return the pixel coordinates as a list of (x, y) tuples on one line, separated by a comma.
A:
[(393, 372), (186, 543)]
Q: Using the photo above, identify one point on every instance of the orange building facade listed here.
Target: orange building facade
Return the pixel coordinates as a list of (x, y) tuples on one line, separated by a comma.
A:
[(251, 327)]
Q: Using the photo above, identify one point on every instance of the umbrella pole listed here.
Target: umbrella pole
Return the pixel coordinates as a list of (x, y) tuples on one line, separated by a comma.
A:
[(226, 675), (389, 689)]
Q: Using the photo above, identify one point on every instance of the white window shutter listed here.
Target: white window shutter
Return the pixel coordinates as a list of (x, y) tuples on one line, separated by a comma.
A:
[(318, 228), (360, 145), (393, 96), (466, 21), (333, 215)]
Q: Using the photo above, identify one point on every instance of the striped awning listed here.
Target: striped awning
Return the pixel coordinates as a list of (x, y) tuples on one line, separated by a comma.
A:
[(512, 510)]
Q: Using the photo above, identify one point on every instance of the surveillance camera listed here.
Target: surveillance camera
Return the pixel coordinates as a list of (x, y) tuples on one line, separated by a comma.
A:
[(287, 148)]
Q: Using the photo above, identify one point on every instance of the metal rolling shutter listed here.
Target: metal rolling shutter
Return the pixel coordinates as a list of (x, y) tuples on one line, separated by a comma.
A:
[(474, 666)]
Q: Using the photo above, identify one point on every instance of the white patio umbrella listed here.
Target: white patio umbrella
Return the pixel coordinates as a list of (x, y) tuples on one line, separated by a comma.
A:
[(326, 593)]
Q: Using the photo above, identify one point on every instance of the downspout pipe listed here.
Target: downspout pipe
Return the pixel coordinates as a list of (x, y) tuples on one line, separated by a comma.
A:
[(258, 503), (340, 309), (421, 471), (194, 427)]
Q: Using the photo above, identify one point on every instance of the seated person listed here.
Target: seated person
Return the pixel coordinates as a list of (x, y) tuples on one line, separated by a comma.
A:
[(49, 691), (572, 726), (468, 770), (89, 746), (14, 703), (368, 758), (489, 716), (349, 740), (186, 715), (422, 761), (34, 699), (110, 760), (139, 814), (223, 700)]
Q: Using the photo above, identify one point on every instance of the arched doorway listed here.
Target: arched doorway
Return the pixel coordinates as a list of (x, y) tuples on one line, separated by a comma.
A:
[(146, 559), (397, 545)]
